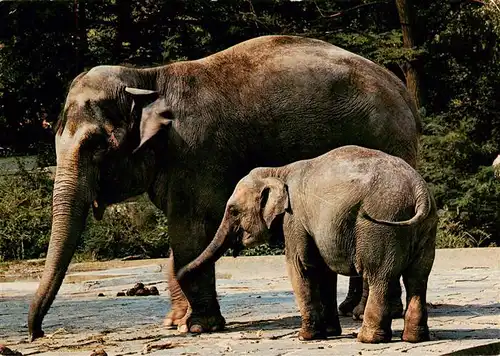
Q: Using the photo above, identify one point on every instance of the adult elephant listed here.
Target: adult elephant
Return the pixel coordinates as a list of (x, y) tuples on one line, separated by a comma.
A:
[(267, 101)]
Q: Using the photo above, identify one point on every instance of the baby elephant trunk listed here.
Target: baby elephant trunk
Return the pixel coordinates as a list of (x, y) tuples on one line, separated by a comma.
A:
[(423, 207), (222, 241)]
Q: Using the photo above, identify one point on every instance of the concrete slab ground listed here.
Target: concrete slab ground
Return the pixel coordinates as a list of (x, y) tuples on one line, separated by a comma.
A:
[(257, 301)]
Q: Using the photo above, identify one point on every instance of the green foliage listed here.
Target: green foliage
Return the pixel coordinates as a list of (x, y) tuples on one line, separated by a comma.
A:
[(25, 214), (462, 136), (25, 223), (44, 46), (127, 229)]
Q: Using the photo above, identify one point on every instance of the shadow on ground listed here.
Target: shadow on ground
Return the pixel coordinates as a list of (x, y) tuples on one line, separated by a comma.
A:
[(465, 310)]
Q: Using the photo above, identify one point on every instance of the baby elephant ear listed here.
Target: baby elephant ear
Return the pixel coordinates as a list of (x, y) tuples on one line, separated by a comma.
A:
[(274, 199)]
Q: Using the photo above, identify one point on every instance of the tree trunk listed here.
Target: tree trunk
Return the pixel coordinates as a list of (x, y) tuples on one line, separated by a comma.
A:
[(412, 69), (81, 36)]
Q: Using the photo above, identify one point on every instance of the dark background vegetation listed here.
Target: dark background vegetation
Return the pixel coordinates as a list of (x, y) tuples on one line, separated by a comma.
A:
[(447, 52)]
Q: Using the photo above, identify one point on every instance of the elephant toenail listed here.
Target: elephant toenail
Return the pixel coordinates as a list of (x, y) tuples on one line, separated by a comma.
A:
[(196, 329)]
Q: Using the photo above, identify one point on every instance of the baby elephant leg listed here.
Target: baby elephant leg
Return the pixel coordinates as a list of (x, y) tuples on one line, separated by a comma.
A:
[(308, 297), (377, 319), (415, 280)]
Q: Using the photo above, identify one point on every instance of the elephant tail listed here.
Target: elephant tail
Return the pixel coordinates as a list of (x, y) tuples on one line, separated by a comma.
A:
[(423, 207)]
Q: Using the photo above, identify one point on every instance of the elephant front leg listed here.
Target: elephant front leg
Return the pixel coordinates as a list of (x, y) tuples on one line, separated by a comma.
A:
[(353, 297), (203, 311), (180, 304), (308, 297)]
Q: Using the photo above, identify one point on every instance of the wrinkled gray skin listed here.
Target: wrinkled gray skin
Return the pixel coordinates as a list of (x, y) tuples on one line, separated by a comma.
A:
[(496, 166), (328, 209), (268, 101)]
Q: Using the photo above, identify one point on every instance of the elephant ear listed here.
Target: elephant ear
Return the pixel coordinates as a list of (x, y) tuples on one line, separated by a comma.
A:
[(274, 199), (151, 122)]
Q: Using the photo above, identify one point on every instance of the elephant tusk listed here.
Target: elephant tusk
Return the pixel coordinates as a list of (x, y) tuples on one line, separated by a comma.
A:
[(137, 91)]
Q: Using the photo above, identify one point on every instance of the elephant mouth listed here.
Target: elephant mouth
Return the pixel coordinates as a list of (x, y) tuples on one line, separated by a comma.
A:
[(238, 246)]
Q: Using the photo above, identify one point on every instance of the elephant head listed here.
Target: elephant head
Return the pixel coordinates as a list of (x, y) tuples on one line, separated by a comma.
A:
[(95, 137), (255, 203), (496, 166)]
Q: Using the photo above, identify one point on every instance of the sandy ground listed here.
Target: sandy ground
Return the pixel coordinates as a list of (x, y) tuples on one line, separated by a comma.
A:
[(257, 301)]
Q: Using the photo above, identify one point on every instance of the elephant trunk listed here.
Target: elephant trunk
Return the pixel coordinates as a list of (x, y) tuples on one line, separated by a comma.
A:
[(222, 241), (69, 210)]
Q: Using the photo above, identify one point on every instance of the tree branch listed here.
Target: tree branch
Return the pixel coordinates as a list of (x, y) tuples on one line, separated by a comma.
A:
[(341, 13)]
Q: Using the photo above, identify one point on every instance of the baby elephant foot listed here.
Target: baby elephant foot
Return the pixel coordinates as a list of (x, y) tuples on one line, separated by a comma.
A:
[(374, 336), (202, 323), (417, 334), (312, 331)]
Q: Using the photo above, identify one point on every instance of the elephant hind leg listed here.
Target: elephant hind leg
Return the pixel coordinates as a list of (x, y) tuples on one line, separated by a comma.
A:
[(415, 279), (377, 316), (394, 300)]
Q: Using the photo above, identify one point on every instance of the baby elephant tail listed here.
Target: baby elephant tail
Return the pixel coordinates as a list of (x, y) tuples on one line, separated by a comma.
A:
[(423, 208)]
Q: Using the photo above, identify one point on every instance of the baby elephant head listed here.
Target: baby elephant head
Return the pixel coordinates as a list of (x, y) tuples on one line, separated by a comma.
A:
[(250, 211)]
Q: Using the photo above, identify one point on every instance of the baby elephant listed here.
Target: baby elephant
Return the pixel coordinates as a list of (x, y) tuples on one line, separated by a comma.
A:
[(339, 213)]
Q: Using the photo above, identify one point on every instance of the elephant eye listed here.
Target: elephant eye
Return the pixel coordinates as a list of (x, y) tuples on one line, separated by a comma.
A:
[(97, 145), (233, 211), (167, 114)]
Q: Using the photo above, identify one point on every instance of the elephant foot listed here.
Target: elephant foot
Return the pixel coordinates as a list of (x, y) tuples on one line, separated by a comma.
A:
[(35, 334), (374, 336), (417, 334), (310, 334), (175, 316), (202, 323), (333, 327), (357, 313), (347, 306), (333, 331), (312, 331)]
